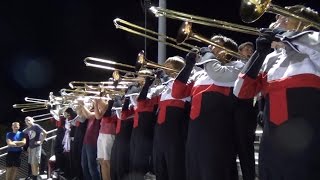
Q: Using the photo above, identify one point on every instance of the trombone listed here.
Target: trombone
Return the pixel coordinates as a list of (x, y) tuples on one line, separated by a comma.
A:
[(252, 10), (117, 77), (158, 11), (185, 32), (42, 117), (94, 85), (84, 84), (33, 105), (28, 107), (40, 104), (97, 62), (89, 94), (141, 63), (133, 28)]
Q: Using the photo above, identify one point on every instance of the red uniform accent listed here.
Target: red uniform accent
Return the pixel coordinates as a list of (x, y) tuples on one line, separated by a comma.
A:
[(125, 114), (181, 90), (146, 105), (162, 106), (277, 94), (197, 97)]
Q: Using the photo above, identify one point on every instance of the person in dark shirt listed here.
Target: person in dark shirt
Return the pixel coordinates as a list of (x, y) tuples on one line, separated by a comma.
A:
[(36, 136)]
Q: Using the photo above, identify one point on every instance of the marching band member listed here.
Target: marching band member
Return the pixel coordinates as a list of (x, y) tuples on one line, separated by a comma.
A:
[(245, 124), (210, 149), (79, 132), (89, 146), (289, 80), (171, 127), (246, 49), (120, 152), (106, 135), (142, 134), (58, 146), (67, 141)]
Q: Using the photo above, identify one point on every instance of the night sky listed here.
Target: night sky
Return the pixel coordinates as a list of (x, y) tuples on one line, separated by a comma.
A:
[(44, 42)]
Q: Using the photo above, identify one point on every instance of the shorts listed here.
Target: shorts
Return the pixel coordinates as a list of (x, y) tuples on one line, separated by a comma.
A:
[(34, 155), (13, 159), (104, 146)]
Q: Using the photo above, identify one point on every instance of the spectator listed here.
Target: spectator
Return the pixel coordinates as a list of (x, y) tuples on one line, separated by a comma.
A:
[(36, 137), (15, 141)]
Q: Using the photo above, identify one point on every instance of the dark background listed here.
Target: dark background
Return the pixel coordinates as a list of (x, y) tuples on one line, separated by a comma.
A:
[(44, 42)]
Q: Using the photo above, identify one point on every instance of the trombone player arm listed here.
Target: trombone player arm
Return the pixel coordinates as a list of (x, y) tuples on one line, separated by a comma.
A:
[(249, 82), (220, 71), (144, 91), (102, 108), (181, 88), (99, 107), (223, 73), (84, 111), (306, 42)]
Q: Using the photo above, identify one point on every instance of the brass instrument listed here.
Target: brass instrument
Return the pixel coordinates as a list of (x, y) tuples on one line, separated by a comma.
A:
[(185, 32), (42, 117), (40, 104), (126, 78), (33, 105), (252, 10), (146, 73), (100, 63), (107, 85), (58, 111), (141, 63), (158, 11), (28, 107), (86, 97), (133, 28), (94, 93)]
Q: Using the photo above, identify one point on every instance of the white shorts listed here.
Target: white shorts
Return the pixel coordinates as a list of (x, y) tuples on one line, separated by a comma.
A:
[(104, 146)]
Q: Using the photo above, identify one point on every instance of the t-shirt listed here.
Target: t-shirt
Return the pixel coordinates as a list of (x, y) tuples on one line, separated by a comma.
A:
[(108, 124), (34, 135), (15, 137), (92, 132)]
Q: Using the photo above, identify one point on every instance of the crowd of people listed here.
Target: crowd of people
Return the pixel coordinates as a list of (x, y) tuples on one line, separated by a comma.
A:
[(200, 116)]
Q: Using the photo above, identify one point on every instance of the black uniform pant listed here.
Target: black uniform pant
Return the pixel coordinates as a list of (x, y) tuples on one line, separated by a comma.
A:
[(210, 147), (169, 145), (120, 153), (245, 126), (290, 150), (168, 158), (76, 158), (141, 147)]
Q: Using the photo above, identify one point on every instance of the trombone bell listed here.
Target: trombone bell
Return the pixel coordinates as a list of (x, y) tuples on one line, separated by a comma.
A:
[(251, 10), (184, 32), (142, 62)]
